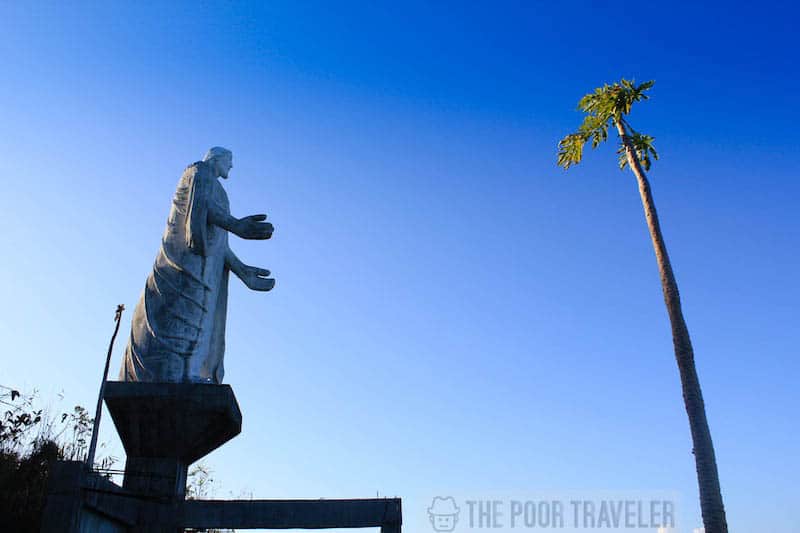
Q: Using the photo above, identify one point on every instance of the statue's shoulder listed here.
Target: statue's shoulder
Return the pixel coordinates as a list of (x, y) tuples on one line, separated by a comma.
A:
[(198, 170)]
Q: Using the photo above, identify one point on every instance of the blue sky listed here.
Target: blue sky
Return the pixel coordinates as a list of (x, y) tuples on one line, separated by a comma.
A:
[(453, 312)]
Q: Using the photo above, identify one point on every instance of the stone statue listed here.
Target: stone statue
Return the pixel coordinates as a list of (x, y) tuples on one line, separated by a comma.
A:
[(178, 328)]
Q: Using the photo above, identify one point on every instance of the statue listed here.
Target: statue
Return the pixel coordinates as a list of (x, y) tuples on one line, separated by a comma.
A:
[(178, 326)]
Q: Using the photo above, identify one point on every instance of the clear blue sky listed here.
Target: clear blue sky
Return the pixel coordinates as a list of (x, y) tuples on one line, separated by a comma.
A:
[(453, 312)]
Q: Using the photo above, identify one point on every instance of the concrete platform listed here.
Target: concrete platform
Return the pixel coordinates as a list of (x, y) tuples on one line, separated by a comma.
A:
[(165, 427), (177, 420)]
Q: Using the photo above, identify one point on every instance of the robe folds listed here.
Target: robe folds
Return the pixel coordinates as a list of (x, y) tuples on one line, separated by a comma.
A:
[(178, 326)]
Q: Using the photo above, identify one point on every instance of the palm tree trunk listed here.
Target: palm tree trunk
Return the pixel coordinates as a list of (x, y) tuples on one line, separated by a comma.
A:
[(707, 477)]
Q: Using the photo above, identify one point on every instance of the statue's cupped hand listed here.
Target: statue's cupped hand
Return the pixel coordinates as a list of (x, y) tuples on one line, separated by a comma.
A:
[(254, 227), (256, 278)]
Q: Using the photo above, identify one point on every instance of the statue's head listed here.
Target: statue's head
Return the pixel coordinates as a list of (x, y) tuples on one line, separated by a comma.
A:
[(220, 159)]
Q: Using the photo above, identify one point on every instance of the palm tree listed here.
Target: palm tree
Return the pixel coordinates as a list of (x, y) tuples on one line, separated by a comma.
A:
[(609, 106)]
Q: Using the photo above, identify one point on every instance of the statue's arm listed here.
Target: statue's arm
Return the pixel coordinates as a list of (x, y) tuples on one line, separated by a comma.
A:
[(255, 278), (233, 263), (224, 220), (252, 227)]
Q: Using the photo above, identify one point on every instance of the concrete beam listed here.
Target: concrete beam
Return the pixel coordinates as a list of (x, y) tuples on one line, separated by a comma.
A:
[(291, 514)]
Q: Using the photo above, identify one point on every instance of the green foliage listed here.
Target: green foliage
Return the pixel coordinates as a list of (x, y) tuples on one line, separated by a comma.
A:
[(18, 419), (607, 107), (570, 149), (78, 429), (199, 483), (642, 146), (30, 441), (23, 482)]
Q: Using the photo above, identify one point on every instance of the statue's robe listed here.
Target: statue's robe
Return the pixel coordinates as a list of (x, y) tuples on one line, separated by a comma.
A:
[(178, 327)]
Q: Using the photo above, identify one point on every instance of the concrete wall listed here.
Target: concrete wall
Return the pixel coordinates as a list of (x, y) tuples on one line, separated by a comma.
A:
[(92, 522), (81, 502)]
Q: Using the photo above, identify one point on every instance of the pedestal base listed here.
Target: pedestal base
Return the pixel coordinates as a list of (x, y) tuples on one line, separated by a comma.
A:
[(165, 427)]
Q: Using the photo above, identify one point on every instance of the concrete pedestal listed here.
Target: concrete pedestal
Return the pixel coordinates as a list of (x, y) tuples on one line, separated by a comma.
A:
[(165, 427)]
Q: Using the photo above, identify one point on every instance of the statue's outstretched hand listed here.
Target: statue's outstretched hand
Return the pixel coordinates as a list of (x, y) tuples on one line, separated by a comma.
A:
[(256, 278), (254, 227)]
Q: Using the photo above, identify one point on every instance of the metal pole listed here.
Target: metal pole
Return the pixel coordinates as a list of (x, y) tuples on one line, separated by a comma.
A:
[(98, 412)]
